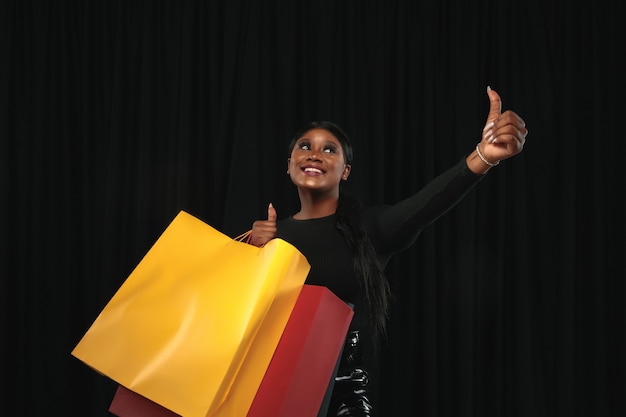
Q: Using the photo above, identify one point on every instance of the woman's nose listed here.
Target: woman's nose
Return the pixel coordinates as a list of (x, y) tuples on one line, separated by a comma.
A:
[(314, 156)]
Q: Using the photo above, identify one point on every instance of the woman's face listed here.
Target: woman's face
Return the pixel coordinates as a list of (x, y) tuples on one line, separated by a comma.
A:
[(317, 162)]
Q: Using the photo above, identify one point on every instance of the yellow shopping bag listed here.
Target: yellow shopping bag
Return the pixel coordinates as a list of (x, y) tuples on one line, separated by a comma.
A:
[(179, 330)]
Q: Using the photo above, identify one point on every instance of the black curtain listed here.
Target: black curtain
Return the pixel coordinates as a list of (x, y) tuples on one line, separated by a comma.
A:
[(116, 115)]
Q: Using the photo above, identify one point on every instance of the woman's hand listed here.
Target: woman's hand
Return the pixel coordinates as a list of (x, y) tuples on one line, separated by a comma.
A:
[(504, 136), (264, 230)]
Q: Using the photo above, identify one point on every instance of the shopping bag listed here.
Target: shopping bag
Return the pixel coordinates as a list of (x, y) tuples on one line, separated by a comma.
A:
[(127, 403), (305, 359), (301, 370), (181, 325)]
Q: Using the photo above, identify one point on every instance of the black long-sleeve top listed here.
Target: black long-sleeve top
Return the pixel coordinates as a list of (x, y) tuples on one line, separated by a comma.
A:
[(391, 229)]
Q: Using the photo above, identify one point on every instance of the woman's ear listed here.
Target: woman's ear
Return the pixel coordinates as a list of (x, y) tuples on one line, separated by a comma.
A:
[(346, 172), (288, 161)]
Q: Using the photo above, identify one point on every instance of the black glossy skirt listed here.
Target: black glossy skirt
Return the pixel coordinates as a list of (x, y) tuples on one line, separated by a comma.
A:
[(350, 397)]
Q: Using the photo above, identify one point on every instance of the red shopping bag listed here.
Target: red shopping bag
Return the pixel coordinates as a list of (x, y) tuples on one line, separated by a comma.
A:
[(305, 360), (127, 403)]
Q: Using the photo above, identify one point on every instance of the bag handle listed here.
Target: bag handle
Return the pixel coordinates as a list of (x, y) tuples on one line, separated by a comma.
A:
[(245, 236)]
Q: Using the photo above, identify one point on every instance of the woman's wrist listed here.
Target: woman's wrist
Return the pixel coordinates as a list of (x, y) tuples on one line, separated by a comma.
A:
[(482, 157), (476, 164)]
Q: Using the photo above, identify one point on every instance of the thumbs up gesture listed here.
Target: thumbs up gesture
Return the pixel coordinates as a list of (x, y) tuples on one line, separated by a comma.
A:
[(504, 134), (264, 230)]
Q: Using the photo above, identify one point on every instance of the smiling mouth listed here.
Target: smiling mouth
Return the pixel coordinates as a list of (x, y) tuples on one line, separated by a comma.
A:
[(311, 170)]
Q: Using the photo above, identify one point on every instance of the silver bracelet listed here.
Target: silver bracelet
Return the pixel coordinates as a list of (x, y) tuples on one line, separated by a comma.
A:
[(482, 158)]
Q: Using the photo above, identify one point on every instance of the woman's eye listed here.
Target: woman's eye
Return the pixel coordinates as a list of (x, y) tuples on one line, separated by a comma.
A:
[(306, 146)]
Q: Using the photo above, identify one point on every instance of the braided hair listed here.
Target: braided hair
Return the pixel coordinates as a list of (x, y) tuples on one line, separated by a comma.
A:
[(349, 221)]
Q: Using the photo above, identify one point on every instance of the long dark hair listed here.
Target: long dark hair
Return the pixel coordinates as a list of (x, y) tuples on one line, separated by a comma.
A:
[(349, 220)]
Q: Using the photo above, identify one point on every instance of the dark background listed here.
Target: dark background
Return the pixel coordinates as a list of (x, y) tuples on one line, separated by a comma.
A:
[(116, 115)]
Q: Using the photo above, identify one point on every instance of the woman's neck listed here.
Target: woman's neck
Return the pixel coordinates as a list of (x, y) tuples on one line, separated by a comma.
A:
[(313, 207)]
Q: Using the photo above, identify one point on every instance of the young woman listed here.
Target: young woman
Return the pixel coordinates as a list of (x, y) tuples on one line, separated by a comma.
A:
[(348, 247)]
